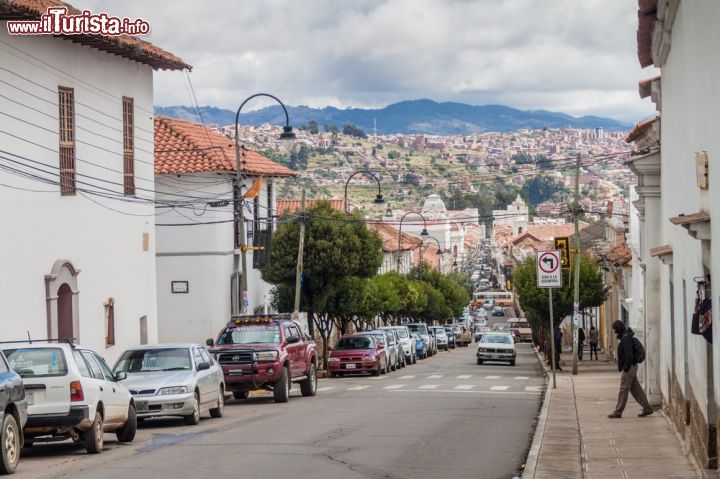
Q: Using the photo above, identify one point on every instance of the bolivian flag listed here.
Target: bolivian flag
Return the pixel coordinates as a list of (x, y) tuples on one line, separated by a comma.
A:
[(254, 190)]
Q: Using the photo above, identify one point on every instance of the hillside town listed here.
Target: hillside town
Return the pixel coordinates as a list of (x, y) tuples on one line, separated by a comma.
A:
[(272, 299)]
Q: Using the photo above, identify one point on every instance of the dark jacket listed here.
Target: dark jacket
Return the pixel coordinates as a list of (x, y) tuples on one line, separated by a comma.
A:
[(581, 335), (626, 350)]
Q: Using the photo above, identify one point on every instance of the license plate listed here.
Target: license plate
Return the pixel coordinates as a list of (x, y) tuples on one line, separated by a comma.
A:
[(30, 397), (141, 406), (495, 356), (349, 366)]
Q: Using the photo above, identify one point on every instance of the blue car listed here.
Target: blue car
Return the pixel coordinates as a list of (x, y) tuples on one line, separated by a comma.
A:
[(420, 346)]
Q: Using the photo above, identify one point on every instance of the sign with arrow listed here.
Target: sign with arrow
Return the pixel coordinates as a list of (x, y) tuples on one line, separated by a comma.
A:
[(549, 272)]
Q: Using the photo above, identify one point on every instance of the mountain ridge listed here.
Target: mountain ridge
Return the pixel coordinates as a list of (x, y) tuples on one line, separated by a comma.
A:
[(422, 116)]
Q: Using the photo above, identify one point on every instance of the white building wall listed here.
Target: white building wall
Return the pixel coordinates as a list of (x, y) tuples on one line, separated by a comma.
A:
[(41, 227)]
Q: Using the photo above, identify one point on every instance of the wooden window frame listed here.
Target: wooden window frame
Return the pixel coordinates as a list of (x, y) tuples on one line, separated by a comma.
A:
[(128, 146), (109, 322), (66, 134)]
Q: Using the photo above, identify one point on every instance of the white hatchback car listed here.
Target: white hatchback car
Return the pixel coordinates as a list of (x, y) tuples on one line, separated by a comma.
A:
[(71, 394)]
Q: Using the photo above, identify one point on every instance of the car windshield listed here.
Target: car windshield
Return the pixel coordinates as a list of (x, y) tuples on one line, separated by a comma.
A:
[(380, 338), (362, 342), (420, 328), (250, 335), (153, 360), (402, 332), (496, 338), (29, 362)]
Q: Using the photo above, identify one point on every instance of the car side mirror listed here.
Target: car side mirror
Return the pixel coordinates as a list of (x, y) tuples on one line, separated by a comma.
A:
[(292, 339), (120, 376), (203, 366), (209, 342)]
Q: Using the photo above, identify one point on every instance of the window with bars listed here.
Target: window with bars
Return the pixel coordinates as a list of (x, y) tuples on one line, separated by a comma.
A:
[(128, 146), (109, 322), (66, 118)]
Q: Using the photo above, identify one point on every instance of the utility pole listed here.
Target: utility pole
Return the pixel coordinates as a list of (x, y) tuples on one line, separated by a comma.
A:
[(552, 340), (240, 205), (301, 245), (576, 288)]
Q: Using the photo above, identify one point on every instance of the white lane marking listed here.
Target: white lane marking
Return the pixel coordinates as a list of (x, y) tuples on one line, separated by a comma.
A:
[(395, 386), (464, 376), (499, 388), (327, 388), (492, 377), (474, 391), (429, 386), (357, 388), (435, 376), (465, 386), (533, 388), (521, 378), (407, 377)]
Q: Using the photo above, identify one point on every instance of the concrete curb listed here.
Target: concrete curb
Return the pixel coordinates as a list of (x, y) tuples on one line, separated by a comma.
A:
[(534, 453)]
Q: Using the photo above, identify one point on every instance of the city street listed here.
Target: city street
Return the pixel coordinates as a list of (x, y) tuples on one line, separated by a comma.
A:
[(444, 417)]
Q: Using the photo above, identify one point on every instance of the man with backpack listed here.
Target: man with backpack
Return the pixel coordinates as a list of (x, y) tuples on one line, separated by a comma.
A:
[(630, 353)]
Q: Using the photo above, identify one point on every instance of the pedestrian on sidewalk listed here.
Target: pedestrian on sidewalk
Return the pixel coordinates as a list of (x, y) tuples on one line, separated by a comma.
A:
[(593, 338), (581, 341), (628, 365), (558, 347)]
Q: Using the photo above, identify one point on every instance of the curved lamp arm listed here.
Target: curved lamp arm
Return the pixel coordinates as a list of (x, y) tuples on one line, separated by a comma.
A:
[(378, 199)]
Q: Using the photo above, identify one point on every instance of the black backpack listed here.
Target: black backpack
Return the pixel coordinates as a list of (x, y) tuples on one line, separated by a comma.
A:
[(638, 350)]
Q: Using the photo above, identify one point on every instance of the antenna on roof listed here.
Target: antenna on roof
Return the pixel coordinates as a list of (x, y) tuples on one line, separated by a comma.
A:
[(28, 333)]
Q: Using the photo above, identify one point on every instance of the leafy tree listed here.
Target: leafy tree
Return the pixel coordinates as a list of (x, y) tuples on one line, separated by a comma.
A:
[(352, 130), (335, 249), (392, 154), (522, 158), (330, 128), (534, 300), (539, 189), (313, 128)]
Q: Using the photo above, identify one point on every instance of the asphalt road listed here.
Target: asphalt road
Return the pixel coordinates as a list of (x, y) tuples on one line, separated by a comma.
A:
[(445, 417)]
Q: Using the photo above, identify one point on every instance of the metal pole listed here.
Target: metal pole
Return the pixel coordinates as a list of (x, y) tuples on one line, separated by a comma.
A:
[(397, 264), (576, 292), (552, 340), (301, 246), (240, 206)]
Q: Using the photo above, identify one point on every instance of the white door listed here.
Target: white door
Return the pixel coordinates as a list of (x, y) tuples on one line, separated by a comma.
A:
[(120, 397), (97, 390), (207, 393)]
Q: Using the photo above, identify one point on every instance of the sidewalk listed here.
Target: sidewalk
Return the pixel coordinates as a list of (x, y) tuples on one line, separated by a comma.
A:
[(575, 438)]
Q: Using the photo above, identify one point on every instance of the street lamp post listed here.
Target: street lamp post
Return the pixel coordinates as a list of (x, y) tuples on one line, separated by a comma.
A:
[(378, 199), (424, 232), (440, 252), (286, 135)]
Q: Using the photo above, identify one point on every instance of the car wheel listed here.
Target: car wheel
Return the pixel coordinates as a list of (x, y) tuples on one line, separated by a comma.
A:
[(193, 419), (378, 370), (512, 363), (479, 361), (127, 432), (309, 386), (94, 436), (10, 438), (281, 389), (219, 408), (332, 374), (241, 394), (384, 369), (414, 359)]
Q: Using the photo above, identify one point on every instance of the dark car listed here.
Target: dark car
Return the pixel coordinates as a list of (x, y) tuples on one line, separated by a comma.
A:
[(14, 405)]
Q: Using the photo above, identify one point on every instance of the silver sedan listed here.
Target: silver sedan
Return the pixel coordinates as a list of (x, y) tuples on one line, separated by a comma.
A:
[(173, 380)]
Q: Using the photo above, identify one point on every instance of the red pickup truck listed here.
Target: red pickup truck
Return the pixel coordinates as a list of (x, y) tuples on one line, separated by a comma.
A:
[(265, 352)]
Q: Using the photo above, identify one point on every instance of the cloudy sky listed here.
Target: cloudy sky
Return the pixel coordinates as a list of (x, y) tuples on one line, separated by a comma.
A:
[(574, 56)]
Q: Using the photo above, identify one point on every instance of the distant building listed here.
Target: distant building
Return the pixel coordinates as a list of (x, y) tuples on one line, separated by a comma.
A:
[(516, 215)]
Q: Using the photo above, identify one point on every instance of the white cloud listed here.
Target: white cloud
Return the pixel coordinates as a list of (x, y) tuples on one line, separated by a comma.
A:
[(563, 55)]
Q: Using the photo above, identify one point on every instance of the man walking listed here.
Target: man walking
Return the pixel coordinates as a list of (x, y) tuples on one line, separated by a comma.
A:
[(628, 366), (593, 339), (581, 342)]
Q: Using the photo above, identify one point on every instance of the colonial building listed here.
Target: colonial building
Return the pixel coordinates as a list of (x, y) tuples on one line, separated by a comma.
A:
[(679, 193), (198, 244), (77, 185)]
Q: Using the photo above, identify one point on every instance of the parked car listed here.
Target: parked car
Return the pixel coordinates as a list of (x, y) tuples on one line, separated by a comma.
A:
[(72, 394), (498, 311), (463, 337), (265, 352), (407, 345), (441, 337), (450, 335), (420, 345), (357, 353), (173, 380), (521, 329), (384, 338), (496, 347), (422, 330), (480, 331), (394, 339), (15, 414)]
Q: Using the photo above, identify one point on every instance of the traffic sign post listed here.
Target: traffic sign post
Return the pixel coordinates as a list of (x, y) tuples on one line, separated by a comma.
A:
[(549, 275)]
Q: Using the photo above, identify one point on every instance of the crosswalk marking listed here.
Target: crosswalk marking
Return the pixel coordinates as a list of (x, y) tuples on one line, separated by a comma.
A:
[(492, 377), (499, 388), (394, 386), (520, 378), (429, 386), (435, 376), (407, 377), (464, 376), (327, 388), (532, 388), (464, 386), (357, 388)]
